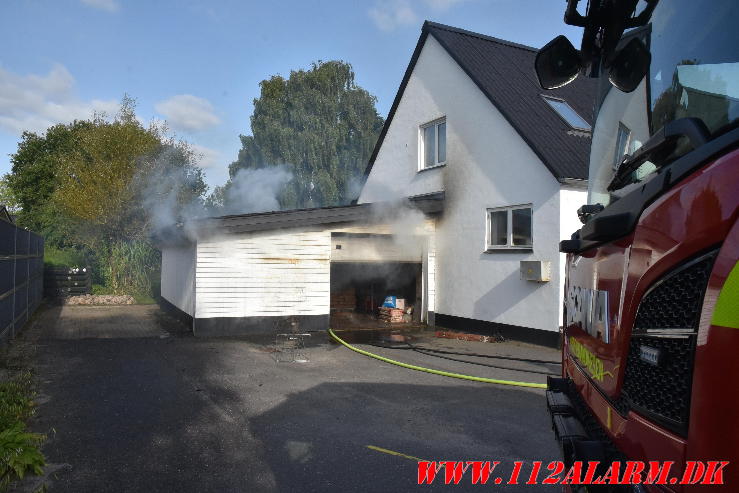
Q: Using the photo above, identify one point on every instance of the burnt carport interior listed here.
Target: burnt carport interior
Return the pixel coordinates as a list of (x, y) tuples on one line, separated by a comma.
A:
[(365, 268)]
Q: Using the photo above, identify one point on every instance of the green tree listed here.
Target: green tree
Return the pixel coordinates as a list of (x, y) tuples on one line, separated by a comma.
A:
[(103, 186), (103, 178), (320, 124), (94, 178), (33, 178), (7, 197)]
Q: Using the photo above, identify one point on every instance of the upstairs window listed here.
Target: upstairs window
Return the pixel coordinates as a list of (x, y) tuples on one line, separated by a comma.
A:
[(622, 144), (433, 144), (566, 112), (509, 227)]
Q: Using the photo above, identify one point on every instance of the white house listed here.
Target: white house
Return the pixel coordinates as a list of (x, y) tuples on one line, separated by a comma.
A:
[(490, 170)]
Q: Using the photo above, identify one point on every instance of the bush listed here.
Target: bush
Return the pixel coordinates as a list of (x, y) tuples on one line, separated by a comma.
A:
[(19, 450), (64, 257), (123, 267), (19, 454), (100, 289), (129, 267)]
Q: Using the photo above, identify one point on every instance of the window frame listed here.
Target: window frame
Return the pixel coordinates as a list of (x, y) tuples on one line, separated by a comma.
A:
[(616, 158), (509, 246), (422, 144), (548, 98)]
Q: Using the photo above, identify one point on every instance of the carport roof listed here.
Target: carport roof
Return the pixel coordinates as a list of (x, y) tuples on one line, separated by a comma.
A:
[(429, 204)]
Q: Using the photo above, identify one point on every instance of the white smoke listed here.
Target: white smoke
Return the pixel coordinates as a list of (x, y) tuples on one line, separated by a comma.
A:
[(403, 222), (172, 212), (163, 181), (354, 187), (391, 207), (256, 190), (380, 190)]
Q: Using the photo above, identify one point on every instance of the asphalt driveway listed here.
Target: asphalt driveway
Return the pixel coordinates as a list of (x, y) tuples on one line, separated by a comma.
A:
[(158, 410)]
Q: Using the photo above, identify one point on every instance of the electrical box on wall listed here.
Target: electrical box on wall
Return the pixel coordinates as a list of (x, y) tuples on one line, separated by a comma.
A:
[(536, 270)]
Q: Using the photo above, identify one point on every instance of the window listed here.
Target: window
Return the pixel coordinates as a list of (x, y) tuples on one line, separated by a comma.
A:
[(622, 144), (569, 115), (433, 144), (509, 227)]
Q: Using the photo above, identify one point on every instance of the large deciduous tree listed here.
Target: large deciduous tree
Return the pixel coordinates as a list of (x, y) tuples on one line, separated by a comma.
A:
[(103, 177), (33, 178), (103, 186), (321, 125)]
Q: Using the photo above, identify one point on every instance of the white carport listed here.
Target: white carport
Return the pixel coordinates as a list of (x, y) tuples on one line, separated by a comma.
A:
[(255, 273)]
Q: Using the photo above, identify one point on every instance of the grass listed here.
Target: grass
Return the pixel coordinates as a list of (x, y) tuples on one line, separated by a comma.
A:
[(144, 299), (15, 399), (68, 257), (100, 289)]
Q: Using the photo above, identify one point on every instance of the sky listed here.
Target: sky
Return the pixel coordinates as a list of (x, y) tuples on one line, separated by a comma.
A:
[(197, 63)]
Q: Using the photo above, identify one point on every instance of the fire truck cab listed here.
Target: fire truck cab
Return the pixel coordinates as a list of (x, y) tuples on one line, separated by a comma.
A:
[(650, 360)]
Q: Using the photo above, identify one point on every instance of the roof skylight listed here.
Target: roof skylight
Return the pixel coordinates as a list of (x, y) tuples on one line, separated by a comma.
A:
[(567, 113)]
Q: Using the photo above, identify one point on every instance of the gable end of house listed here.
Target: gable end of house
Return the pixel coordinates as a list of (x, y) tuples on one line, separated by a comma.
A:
[(495, 65)]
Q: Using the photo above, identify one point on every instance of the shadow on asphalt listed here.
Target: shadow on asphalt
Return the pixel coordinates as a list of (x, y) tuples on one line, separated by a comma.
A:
[(317, 439), (191, 415)]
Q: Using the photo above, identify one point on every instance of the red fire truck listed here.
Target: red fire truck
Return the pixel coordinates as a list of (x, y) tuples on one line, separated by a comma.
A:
[(650, 361)]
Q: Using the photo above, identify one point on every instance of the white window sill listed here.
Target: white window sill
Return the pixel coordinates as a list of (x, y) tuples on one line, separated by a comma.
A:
[(521, 249), (432, 167)]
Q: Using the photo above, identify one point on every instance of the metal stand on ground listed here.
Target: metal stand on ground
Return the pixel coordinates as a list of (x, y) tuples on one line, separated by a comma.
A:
[(290, 342), (291, 348)]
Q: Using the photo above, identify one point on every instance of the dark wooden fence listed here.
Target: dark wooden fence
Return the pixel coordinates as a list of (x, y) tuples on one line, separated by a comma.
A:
[(21, 277), (60, 282)]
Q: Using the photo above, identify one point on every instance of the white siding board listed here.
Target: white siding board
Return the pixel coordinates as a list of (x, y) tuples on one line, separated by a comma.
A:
[(431, 274), (284, 272)]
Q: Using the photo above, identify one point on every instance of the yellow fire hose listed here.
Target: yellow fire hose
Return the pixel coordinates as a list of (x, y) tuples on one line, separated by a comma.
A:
[(436, 372)]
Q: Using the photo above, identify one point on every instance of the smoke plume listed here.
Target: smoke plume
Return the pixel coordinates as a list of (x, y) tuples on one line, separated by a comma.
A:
[(256, 190), (174, 208)]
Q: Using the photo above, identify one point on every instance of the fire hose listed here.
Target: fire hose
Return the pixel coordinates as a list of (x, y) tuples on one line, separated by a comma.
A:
[(433, 371)]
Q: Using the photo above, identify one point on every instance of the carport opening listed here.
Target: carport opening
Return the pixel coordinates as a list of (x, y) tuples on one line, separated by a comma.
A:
[(358, 290)]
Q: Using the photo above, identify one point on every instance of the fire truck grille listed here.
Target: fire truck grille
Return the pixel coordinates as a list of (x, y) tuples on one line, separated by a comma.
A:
[(661, 391), (675, 303), (659, 367)]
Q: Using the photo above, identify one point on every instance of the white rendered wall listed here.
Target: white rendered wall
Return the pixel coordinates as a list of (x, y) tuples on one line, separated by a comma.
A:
[(488, 165), (395, 171), (178, 277)]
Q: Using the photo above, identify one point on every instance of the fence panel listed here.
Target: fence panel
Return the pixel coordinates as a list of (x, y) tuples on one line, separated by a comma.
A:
[(60, 282), (21, 277)]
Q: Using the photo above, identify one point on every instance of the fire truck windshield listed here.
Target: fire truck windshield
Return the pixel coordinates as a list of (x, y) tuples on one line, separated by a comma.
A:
[(694, 72)]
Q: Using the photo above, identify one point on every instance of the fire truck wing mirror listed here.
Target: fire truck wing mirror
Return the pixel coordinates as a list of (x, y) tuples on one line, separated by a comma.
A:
[(629, 66), (557, 63)]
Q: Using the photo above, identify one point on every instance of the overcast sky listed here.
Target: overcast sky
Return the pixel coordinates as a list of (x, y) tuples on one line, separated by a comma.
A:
[(198, 63)]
